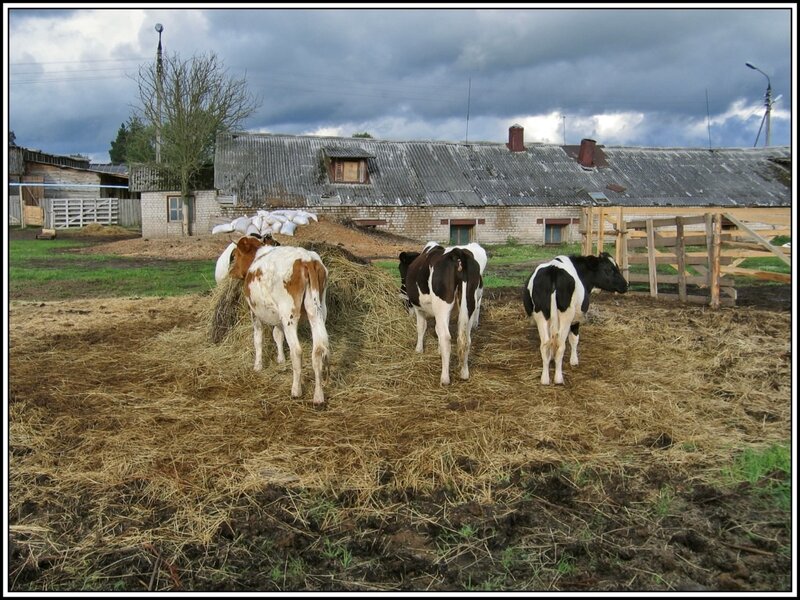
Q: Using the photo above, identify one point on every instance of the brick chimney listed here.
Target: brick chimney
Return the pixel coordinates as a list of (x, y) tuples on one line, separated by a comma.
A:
[(515, 138), (586, 153)]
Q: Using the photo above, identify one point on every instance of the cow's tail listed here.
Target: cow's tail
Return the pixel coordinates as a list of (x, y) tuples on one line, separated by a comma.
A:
[(470, 282), (314, 302), (527, 300), (554, 324)]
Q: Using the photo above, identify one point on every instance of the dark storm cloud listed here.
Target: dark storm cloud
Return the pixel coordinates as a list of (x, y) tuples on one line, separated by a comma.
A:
[(339, 68)]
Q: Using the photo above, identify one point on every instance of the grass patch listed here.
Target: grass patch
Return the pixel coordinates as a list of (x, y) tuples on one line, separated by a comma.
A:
[(49, 271), (510, 264), (768, 471)]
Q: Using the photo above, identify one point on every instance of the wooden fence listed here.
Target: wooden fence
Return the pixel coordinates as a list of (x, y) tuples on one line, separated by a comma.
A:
[(63, 213), (704, 250)]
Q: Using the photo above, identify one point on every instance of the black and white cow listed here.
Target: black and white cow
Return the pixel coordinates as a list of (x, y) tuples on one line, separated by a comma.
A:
[(557, 295), (433, 282)]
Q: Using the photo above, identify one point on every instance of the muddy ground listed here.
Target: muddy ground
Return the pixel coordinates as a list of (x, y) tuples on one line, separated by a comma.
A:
[(543, 528)]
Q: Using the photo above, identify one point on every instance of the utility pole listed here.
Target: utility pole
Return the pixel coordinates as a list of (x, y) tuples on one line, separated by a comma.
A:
[(564, 127), (767, 104), (159, 91)]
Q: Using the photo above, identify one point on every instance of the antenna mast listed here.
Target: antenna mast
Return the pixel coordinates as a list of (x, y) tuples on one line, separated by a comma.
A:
[(708, 121), (469, 95)]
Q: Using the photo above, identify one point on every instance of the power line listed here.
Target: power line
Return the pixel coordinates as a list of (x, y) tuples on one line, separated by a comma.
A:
[(66, 62)]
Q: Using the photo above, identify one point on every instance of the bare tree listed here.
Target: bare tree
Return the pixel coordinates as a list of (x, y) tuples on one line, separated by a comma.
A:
[(187, 107)]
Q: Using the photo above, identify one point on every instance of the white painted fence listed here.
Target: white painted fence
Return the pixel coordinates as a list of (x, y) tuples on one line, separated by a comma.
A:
[(62, 213)]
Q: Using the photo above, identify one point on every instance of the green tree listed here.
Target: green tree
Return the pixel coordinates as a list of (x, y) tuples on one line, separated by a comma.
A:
[(187, 106), (362, 135), (135, 142)]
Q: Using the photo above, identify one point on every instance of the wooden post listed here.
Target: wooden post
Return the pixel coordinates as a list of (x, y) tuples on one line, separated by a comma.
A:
[(21, 210), (710, 246), (601, 229), (623, 247), (589, 231), (715, 265), (651, 258), (680, 250)]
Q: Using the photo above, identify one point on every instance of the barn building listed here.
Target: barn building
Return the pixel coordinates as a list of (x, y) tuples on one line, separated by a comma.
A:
[(477, 191), (36, 178)]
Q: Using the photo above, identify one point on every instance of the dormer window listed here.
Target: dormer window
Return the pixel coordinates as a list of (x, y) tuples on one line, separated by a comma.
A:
[(349, 171), (348, 165)]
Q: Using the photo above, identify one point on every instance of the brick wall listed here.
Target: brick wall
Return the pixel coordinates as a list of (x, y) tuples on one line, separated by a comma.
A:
[(155, 215), (493, 225)]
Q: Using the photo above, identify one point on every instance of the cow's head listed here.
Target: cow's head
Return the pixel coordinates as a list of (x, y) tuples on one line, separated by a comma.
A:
[(607, 276), (266, 238), (243, 255), (406, 258)]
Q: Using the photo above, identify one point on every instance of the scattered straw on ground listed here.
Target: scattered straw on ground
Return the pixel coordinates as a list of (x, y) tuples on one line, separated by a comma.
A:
[(148, 421)]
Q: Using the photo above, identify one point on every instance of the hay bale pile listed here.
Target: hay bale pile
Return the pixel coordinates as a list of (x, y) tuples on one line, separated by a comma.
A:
[(157, 431)]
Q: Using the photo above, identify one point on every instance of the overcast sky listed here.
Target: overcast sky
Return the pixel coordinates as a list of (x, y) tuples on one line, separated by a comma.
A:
[(623, 76)]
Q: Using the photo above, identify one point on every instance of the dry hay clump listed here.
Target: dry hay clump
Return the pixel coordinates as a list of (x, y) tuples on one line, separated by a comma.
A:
[(151, 431), (103, 230)]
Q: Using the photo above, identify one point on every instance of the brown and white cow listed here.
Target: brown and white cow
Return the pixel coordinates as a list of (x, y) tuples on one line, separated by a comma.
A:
[(433, 282), (557, 295), (280, 283)]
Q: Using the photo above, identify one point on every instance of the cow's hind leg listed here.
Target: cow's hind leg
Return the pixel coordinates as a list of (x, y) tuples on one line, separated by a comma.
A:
[(544, 345), (465, 325), (296, 353), (561, 347), (277, 335), (443, 333), (319, 350), (258, 341), (422, 326), (573, 344)]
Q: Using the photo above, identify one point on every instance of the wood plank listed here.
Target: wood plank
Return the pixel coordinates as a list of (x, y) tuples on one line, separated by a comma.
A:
[(680, 250), (622, 243), (672, 259), (651, 263), (601, 233), (715, 266), (699, 280), (754, 246), (758, 238), (665, 222), (689, 240)]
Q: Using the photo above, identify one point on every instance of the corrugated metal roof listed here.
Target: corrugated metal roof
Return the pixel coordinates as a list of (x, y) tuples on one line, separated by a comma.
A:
[(110, 169), (263, 168), (344, 152)]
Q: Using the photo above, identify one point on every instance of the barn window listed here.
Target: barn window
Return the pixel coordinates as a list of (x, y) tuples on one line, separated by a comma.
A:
[(175, 209), (347, 164), (461, 234), (350, 171)]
